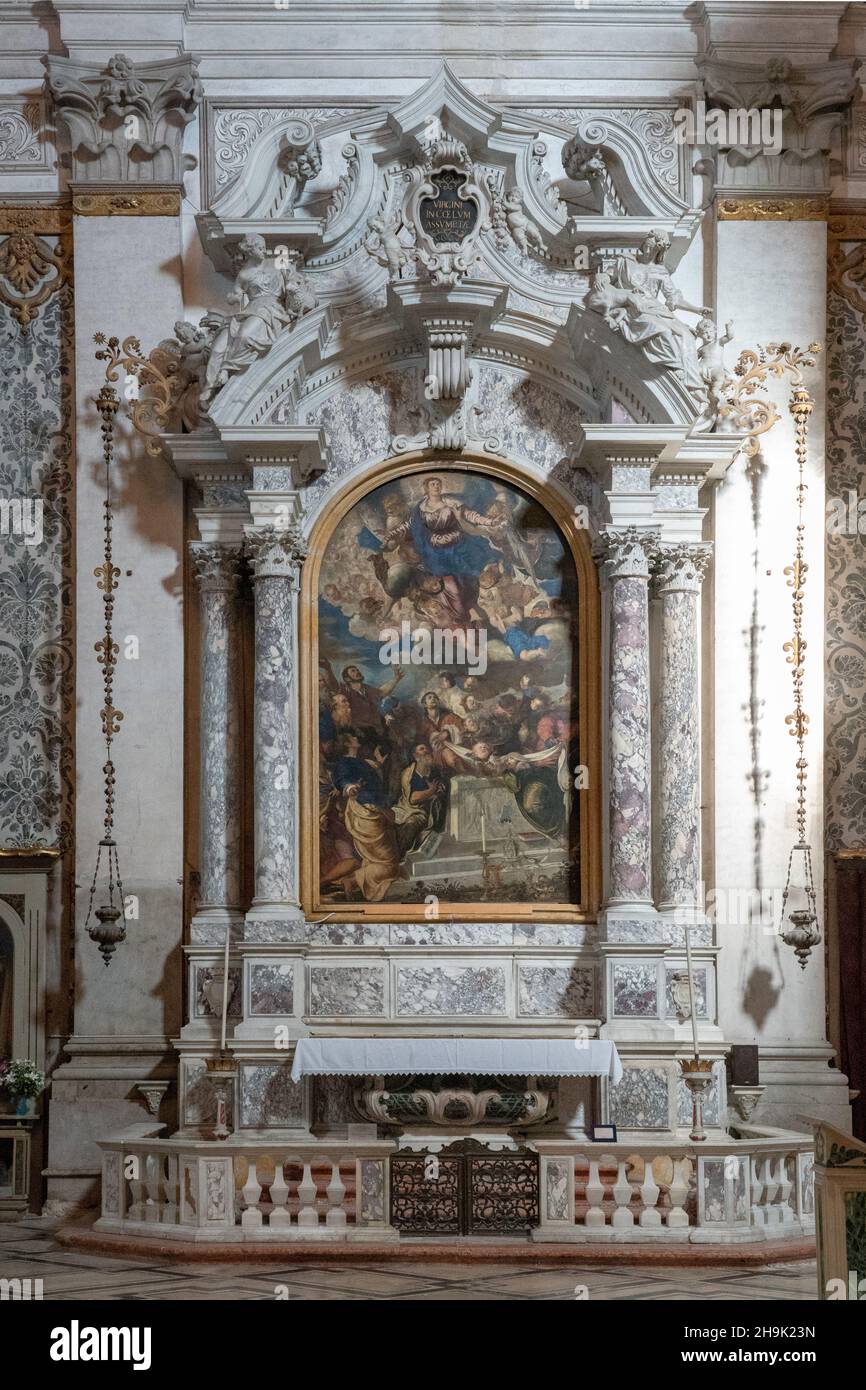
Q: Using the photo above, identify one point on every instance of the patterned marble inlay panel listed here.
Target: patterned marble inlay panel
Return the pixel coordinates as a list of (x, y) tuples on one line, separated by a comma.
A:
[(111, 1184), (725, 1189), (203, 977), (529, 420), (347, 990), (270, 1098), (807, 1178), (332, 1101), (372, 1190), (199, 1099), (714, 1099), (270, 932), (361, 420), (272, 988), (452, 934), (451, 990), (700, 978), (347, 934), (855, 1234), (640, 1101), (556, 991), (548, 934), (556, 1189), (216, 1180), (635, 990), (648, 933)]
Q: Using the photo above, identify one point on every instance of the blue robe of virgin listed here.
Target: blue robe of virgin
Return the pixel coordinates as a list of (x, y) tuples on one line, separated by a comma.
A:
[(466, 555)]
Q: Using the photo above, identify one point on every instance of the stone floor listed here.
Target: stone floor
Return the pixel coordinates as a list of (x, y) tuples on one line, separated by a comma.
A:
[(27, 1252)]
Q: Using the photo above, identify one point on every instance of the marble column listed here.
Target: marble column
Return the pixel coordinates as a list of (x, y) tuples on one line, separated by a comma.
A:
[(277, 554), (217, 570), (679, 570), (625, 555)]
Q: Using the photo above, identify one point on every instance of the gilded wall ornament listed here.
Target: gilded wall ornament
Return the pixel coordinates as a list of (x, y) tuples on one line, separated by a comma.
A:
[(31, 271), (743, 410), (772, 209)]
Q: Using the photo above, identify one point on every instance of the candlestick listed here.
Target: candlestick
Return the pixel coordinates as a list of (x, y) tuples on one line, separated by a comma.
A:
[(225, 991), (692, 1007)]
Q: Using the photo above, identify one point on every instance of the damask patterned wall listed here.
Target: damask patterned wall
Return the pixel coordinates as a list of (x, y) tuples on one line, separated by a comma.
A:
[(845, 649), (36, 538)]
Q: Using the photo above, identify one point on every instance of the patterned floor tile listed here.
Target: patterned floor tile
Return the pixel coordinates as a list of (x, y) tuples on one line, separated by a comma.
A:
[(69, 1274)]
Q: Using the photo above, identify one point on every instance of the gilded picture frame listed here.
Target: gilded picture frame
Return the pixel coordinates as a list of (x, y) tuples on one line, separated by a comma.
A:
[(578, 542)]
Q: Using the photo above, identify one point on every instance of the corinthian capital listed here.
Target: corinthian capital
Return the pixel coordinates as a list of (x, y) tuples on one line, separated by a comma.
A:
[(680, 567), (217, 567), (625, 553), (124, 122), (276, 551)]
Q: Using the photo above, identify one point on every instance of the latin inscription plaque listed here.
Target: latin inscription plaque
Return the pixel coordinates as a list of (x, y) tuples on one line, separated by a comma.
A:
[(446, 217)]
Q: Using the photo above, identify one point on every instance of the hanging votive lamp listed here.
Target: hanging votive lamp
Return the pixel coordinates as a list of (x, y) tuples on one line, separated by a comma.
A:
[(106, 923)]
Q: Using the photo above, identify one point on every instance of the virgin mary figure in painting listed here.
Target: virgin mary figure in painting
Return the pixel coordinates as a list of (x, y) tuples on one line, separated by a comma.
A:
[(435, 772), (445, 550)]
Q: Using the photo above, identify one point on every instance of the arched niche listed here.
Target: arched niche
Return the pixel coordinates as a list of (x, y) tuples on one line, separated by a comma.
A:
[(406, 474)]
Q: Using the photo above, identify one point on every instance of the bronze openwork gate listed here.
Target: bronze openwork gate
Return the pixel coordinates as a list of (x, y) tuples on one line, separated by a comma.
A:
[(464, 1193)]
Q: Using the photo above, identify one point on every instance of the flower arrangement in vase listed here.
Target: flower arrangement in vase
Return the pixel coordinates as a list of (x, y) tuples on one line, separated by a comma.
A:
[(23, 1081)]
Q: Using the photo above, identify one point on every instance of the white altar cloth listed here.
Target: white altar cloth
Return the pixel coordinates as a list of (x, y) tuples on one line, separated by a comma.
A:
[(457, 1056)]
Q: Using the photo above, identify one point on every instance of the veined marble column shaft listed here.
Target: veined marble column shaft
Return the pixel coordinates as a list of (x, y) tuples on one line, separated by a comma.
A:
[(217, 570), (276, 553), (626, 560), (679, 571)]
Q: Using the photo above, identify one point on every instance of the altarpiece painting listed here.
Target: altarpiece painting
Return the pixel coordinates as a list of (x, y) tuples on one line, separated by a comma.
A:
[(447, 617)]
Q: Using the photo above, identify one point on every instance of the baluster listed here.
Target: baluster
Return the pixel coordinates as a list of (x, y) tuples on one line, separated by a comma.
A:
[(336, 1194), (136, 1186), (251, 1218), (759, 1189), (649, 1194), (594, 1196), (784, 1213), (623, 1216), (772, 1214), (171, 1209), (280, 1216), (307, 1192), (678, 1192), (153, 1183)]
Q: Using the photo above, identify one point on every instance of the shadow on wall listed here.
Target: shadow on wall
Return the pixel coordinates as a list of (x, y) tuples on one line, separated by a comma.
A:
[(760, 996)]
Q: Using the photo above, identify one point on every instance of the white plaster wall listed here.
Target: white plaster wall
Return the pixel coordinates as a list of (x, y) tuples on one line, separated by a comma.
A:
[(771, 282), (128, 280)]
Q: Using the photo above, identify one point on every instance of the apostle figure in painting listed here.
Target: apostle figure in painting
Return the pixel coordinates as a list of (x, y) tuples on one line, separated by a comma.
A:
[(421, 807), (365, 701), (368, 819), (445, 550)]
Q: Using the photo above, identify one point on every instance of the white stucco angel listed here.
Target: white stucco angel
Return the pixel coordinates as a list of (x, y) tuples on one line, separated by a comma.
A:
[(385, 246), (184, 359), (265, 300), (711, 360), (524, 232)]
